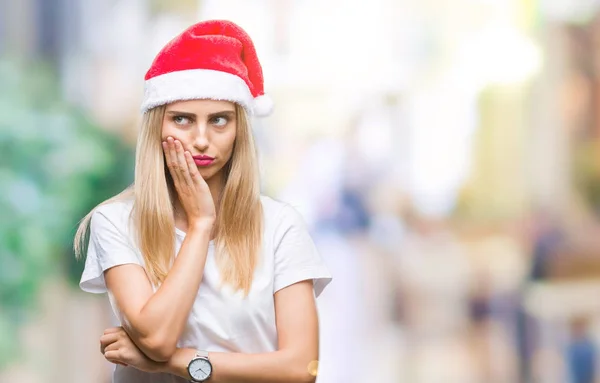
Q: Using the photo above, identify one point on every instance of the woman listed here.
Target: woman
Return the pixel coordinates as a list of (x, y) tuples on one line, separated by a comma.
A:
[(211, 281)]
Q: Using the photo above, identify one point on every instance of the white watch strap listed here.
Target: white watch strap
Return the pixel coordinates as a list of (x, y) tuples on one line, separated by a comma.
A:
[(201, 354)]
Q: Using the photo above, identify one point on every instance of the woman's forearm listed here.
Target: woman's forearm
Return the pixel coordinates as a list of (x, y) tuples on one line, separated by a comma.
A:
[(162, 319), (280, 366)]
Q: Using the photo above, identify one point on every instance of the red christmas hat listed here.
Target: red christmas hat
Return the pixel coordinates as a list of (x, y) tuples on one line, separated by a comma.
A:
[(213, 60)]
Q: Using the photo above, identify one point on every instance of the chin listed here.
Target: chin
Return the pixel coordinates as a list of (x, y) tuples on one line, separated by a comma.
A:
[(207, 173)]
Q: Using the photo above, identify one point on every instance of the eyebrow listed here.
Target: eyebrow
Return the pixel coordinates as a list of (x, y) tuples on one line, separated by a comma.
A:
[(193, 115)]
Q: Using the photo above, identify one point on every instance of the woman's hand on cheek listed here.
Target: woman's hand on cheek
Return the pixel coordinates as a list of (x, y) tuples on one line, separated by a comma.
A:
[(192, 190)]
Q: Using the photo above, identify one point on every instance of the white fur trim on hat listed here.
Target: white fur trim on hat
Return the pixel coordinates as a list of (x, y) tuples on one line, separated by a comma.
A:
[(263, 105), (196, 84)]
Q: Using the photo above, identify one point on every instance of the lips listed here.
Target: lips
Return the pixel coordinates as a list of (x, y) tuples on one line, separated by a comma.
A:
[(203, 160)]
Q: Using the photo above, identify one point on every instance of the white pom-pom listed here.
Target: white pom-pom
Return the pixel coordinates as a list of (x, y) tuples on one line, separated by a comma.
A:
[(263, 105)]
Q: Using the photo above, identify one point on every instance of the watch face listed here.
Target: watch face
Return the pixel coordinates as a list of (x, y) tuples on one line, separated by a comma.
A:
[(200, 369)]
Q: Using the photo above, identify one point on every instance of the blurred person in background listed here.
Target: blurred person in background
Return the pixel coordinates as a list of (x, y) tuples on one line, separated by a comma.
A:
[(581, 352), (546, 236), (211, 281)]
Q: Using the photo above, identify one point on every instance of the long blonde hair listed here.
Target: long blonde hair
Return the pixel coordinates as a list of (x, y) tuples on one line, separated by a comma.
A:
[(239, 224)]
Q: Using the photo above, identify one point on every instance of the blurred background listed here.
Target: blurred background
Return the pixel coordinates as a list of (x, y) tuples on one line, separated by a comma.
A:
[(444, 153)]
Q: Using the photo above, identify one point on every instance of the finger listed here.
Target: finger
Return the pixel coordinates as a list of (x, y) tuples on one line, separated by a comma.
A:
[(179, 156), (183, 165), (111, 347), (165, 146), (171, 156), (172, 160), (112, 329), (108, 339), (114, 356), (194, 173)]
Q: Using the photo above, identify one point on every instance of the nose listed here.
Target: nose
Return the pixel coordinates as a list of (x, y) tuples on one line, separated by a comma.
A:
[(201, 141)]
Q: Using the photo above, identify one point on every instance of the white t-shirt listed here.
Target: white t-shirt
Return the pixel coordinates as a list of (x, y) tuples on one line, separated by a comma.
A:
[(220, 320)]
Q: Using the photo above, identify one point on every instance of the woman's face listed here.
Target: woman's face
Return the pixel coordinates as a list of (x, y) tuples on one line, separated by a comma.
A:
[(206, 128)]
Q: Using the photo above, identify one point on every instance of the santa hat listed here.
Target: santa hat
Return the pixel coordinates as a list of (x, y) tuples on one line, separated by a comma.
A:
[(213, 60)]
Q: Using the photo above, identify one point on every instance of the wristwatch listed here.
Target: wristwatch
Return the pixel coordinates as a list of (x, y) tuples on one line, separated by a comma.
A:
[(200, 367)]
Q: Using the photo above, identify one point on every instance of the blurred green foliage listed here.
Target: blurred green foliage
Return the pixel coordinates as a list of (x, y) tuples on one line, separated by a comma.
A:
[(55, 165)]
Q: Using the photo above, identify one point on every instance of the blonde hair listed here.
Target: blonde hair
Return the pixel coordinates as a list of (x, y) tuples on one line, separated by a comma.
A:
[(239, 224)]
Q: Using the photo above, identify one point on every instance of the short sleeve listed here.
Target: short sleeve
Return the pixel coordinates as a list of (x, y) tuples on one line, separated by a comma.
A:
[(296, 256), (109, 246)]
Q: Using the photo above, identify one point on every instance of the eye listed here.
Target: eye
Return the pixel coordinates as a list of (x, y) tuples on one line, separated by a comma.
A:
[(181, 120), (219, 121)]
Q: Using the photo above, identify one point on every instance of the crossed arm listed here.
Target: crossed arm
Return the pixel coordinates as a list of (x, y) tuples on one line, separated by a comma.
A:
[(152, 324)]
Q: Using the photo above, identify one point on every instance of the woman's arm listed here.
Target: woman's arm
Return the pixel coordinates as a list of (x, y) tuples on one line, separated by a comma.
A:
[(298, 349), (155, 321), (295, 360)]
